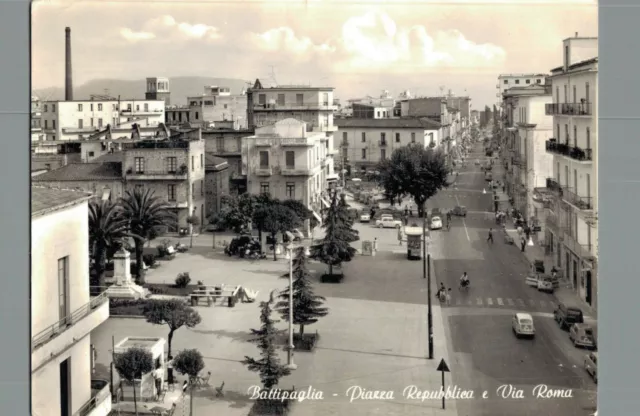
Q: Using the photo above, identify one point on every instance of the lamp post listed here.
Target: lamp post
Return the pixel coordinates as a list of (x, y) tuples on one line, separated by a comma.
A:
[(426, 274), (290, 364)]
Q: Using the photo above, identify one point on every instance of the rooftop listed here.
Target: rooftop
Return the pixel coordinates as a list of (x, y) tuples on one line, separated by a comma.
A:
[(83, 172), (110, 158), (520, 75), (577, 65), (214, 163), (399, 123), (44, 199), (99, 99)]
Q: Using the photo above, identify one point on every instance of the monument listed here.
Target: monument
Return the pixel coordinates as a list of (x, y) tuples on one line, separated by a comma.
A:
[(124, 287)]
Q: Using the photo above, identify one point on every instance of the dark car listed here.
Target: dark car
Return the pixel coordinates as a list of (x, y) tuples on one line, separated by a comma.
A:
[(459, 211), (566, 316)]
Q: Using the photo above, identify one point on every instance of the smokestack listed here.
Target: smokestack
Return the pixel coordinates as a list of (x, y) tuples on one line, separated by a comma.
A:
[(68, 80)]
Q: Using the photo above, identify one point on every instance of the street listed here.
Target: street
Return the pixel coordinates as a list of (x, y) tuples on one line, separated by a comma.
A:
[(484, 352)]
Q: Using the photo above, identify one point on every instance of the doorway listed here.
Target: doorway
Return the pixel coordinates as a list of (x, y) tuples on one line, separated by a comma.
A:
[(65, 387), (588, 288), (567, 266), (575, 274)]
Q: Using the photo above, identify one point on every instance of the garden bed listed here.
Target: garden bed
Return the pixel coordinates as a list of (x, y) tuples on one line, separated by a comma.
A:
[(306, 342), (126, 307), (170, 289)]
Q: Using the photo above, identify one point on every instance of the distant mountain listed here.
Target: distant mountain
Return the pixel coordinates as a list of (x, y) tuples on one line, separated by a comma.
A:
[(181, 88)]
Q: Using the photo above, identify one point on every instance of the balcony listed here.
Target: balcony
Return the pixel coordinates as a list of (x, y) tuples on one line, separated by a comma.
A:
[(297, 141), (576, 153), (293, 171), (100, 402), (382, 143), (297, 106), (582, 203), (583, 251), (149, 112), (177, 204), (569, 109), (542, 197), (263, 171), (58, 337), (179, 174), (264, 142), (77, 130)]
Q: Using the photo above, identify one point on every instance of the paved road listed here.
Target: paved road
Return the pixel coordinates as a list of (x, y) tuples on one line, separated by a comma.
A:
[(484, 351)]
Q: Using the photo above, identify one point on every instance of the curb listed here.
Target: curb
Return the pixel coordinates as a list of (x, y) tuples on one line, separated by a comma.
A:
[(126, 316)]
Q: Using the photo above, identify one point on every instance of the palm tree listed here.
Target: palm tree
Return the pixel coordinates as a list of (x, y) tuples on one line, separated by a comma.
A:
[(145, 213), (107, 228)]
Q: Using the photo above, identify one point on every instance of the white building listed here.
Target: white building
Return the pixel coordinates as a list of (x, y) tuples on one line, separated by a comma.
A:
[(217, 104), (63, 310), (77, 119), (573, 220), (287, 161), (365, 142), (36, 116), (506, 81)]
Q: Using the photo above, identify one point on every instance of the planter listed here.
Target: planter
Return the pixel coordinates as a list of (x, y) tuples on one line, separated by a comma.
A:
[(332, 278), (306, 342)]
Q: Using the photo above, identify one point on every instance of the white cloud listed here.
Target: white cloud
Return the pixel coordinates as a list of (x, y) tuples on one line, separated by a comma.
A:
[(373, 41), (284, 39), (132, 36)]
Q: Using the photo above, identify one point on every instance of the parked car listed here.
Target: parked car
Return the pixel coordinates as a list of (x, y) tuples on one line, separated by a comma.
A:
[(436, 223), (436, 212), (387, 221), (459, 211), (566, 316), (582, 336), (591, 365), (522, 325), (365, 217)]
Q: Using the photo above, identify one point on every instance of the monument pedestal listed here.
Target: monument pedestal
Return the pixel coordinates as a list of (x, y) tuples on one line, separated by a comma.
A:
[(124, 287)]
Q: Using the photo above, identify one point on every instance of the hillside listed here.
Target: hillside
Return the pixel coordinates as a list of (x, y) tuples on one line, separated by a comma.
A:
[(181, 88)]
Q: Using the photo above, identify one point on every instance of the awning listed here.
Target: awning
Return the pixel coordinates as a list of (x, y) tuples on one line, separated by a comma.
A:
[(325, 203), (106, 193)]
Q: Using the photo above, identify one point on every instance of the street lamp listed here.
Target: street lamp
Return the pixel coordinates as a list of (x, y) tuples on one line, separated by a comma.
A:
[(426, 274), (290, 364)]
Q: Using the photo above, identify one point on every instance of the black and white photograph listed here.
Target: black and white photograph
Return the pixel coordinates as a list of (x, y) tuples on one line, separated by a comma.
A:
[(314, 208)]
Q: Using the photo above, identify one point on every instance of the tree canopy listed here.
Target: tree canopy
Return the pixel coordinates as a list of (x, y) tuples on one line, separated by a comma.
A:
[(175, 313), (274, 218), (131, 365)]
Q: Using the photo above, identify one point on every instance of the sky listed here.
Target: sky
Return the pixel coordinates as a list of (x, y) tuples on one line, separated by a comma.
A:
[(358, 47)]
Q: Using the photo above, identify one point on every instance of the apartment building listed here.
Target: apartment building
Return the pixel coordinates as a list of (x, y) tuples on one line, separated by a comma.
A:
[(158, 89), (36, 119), (528, 164), (218, 104), (227, 144), (370, 111), (216, 183), (77, 119), (573, 219), (171, 165), (64, 309), (365, 142), (288, 161), (506, 81)]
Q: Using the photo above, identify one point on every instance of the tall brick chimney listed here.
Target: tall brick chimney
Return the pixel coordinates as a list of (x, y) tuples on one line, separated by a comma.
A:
[(68, 79)]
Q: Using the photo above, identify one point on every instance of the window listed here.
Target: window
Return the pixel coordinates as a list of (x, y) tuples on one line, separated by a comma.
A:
[(383, 138), (208, 102), (528, 81), (575, 95), (63, 286), (99, 107), (344, 137), (53, 107), (566, 98), (291, 190), (397, 137), (113, 107), (506, 82), (378, 114), (53, 137), (146, 106), (202, 188), (517, 81), (558, 132), (262, 99), (413, 137), (137, 107), (538, 81), (45, 108), (99, 122), (586, 95), (46, 124), (91, 122), (588, 138), (225, 106), (80, 123), (566, 133), (264, 159), (290, 159), (171, 193), (264, 187), (193, 190), (201, 160), (280, 100), (193, 163), (139, 164), (364, 153), (172, 164), (575, 136), (79, 107), (197, 116), (364, 137), (47, 166), (299, 99), (128, 107), (383, 154), (91, 154)]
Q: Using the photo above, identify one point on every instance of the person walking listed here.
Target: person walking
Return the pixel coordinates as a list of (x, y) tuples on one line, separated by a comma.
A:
[(523, 244), (448, 297), (490, 237)]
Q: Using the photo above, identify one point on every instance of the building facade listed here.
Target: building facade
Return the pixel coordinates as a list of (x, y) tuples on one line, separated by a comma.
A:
[(36, 120), (506, 81), (64, 309), (216, 183), (158, 89), (572, 224), (218, 104), (227, 144), (365, 142)]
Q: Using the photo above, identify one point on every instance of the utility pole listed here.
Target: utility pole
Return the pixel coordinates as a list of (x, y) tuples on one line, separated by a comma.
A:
[(426, 274)]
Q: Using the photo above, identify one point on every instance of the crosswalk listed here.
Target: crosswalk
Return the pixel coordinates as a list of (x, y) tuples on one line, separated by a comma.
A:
[(500, 302)]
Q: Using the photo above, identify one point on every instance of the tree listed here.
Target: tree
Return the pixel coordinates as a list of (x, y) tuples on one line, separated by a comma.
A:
[(190, 363), (414, 171), (302, 211), (145, 213), (345, 221), (268, 366), (107, 228), (307, 307), (193, 221), (335, 248), (236, 212), (131, 365), (274, 218), (175, 313)]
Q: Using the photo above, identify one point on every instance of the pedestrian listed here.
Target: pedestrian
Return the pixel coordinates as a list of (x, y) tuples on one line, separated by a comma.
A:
[(527, 231), (523, 244), (170, 370), (406, 219), (411, 212), (449, 297), (406, 211), (375, 244), (490, 237), (400, 235)]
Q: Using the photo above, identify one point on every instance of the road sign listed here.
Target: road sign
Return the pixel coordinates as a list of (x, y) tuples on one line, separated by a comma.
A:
[(443, 368)]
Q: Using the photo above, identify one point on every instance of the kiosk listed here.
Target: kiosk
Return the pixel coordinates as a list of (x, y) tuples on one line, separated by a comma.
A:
[(414, 242), (146, 389)]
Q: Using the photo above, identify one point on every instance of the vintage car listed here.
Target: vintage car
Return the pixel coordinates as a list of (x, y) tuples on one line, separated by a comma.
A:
[(459, 211), (522, 325), (387, 221), (582, 335)]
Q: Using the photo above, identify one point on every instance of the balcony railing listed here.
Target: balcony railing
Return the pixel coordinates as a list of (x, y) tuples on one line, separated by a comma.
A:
[(583, 203), (382, 143), (285, 106), (263, 171), (295, 171), (569, 109), (65, 323), (542, 196), (584, 251), (576, 153), (100, 391), (178, 173), (553, 185)]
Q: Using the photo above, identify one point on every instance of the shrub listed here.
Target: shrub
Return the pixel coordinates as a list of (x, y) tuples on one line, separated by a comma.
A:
[(149, 259), (132, 307), (157, 290), (183, 279)]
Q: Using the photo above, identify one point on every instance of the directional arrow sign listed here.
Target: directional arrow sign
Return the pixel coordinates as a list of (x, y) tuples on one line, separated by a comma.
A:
[(444, 368)]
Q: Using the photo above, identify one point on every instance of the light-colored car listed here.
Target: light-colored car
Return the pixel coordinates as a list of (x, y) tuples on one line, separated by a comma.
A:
[(582, 336), (365, 217), (591, 365), (436, 223), (522, 325), (387, 221), (545, 284)]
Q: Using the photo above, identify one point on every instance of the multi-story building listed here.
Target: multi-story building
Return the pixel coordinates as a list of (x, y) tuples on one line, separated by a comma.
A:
[(572, 224), (218, 104), (528, 164), (506, 81), (64, 309), (158, 89), (36, 120), (475, 117), (216, 183), (171, 164), (287, 161), (177, 115), (370, 111), (365, 142), (77, 119), (227, 144)]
